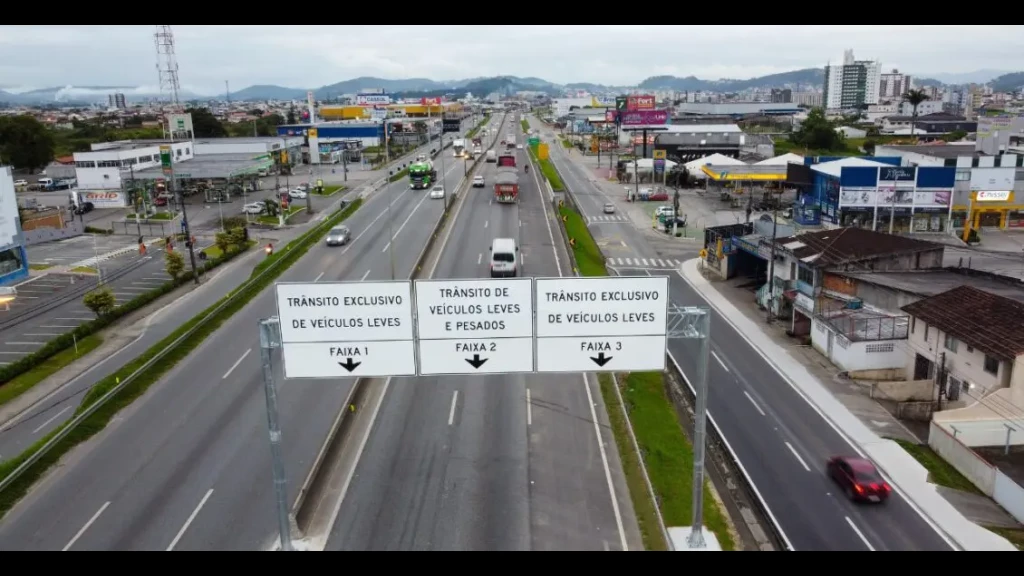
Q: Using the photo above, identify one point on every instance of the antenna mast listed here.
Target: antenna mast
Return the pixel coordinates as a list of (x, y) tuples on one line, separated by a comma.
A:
[(167, 64)]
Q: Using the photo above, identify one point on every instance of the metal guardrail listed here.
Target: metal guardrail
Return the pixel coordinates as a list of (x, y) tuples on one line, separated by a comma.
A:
[(99, 403)]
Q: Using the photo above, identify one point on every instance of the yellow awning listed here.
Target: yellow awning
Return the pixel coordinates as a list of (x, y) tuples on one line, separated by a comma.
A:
[(733, 176)]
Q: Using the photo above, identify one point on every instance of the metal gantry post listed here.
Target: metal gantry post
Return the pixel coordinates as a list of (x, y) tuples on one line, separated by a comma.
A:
[(270, 339), (694, 323)]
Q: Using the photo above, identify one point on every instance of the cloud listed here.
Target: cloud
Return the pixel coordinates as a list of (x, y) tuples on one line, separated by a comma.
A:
[(313, 56)]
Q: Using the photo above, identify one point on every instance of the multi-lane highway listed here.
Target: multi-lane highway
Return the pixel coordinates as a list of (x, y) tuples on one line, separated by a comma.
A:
[(780, 439), (188, 465), (498, 462)]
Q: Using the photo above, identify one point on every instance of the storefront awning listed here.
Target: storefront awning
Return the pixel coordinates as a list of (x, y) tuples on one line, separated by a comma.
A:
[(745, 173)]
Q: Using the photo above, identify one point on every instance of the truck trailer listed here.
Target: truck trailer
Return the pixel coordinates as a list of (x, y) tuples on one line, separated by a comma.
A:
[(507, 159), (506, 186)]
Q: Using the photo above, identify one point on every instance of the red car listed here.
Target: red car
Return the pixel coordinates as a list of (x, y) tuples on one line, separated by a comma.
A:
[(859, 479)]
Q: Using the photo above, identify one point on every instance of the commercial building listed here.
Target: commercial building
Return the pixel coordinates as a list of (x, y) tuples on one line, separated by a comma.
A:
[(379, 111), (736, 109), (852, 84), (13, 258), (107, 166)]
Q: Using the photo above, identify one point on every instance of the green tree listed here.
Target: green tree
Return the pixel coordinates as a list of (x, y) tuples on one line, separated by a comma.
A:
[(955, 136), (914, 97), (174, 263), (272, 206), (25, 142), (290, 119), (818, 133), (205, 124), (101, 301)]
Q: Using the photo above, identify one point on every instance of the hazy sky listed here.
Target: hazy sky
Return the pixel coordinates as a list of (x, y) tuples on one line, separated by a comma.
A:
[(306, 57)]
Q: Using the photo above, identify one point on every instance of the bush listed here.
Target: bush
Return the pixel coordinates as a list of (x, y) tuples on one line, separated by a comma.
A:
[(174, 263), (94, 230), (101, 301)]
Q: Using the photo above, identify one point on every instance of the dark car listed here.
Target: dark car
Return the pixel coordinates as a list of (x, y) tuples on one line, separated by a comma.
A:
[(859, 479), (84, 208), (338, 236)]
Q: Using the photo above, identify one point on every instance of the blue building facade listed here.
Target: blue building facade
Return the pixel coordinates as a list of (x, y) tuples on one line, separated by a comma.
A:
[(335, 131), (13, 257)]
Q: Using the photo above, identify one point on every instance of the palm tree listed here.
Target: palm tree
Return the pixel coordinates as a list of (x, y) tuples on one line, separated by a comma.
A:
[(914, 97)]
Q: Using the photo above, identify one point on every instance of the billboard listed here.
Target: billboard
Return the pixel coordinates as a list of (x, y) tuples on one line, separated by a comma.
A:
[(891, 197), (373, 99), (639, 103), (378, 114), (611, 115), (166, 159), (799, 175), (993, 178), (430, 101), (645, 118), (454, 125), (179, 126)]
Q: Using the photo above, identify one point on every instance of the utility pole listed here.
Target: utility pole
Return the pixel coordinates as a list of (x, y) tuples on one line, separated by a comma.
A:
[(270, 338), (391, 233), (771, 268), (185, 226)]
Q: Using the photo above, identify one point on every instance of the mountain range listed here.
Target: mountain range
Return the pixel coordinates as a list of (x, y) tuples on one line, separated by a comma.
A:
[(416, 87)]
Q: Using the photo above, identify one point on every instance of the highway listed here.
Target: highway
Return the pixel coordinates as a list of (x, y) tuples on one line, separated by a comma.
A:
[(491, 462), (187, 467), (780, 439)]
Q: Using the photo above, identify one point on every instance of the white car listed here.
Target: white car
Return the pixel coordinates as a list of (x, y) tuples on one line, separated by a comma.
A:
[(437, 192), (297, 194), (664, 211), (478, 182), (519, 146), (255, 208), (20, 183)]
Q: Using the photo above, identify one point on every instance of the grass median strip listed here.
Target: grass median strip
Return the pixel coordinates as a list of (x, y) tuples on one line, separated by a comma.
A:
[(401, 174), (548, 170), (525, 125), (667, 454), (213, 320), (329, 190)]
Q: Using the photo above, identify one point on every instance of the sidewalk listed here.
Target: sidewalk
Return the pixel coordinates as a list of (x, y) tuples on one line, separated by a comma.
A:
[(908, 476)]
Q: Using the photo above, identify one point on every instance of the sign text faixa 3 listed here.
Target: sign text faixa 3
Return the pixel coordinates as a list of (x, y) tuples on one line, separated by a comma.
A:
[(339, 329)]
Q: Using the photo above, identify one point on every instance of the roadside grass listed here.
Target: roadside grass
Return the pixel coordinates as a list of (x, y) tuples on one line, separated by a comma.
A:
[(212, 251), (548, 170), (667, 453), (39, 266), (99, 419), (525, 125), (566, 143), (329, 190), (157, 216), (84, 270), (401, 174), (292, 210), (940, 472), (24, 382), (643, 507)]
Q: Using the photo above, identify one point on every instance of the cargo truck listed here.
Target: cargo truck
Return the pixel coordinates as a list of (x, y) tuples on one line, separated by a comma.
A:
[(507, 159), (506, 186), (491, 156), (478, 146), (422, 173), (459, 146)]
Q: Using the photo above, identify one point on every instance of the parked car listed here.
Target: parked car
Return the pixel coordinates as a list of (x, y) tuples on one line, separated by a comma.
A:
[(858, 478), (84, 208), (297, 194), (666, 211), (339, 236), (20, 183), (255, 208), (437, 192), (519, 146), (658, 197), (478, 182)]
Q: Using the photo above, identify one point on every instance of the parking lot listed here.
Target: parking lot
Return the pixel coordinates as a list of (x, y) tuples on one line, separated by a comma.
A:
[(78, 249)]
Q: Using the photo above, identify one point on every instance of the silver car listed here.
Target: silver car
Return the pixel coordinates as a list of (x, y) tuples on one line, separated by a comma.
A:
[(609, 208), (338, 236)]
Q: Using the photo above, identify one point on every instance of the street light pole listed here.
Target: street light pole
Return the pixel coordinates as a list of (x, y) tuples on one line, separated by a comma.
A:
[(270, 338), (185, 225), (391, 233)]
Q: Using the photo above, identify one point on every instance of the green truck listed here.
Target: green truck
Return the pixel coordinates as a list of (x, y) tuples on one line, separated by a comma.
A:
[(422, 173)]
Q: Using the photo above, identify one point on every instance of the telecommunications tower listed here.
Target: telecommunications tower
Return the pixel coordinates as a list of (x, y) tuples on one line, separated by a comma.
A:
[(167, 64)]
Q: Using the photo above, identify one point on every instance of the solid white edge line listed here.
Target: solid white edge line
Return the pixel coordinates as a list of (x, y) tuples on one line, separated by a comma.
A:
[(735, 458), (51, 419), (860, 534), (317, 279), (86, 527), (720, 363), (797, 456), (604, 462), (785, 378), (451, 412), (235, 365), (188, 522), (365, 274), (752, 401), (529, 409)]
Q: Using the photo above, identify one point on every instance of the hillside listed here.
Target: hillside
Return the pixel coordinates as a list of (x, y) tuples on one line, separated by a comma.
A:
[(813, 76), (1008, 82)]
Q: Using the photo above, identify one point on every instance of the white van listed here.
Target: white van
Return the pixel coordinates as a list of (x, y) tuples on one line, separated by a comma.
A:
[(504, 258), (45, 182), (492, 156)]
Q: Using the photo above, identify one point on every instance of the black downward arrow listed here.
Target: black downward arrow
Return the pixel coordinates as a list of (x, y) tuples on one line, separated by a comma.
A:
[(475, 361), (601, 359), (349, 365)]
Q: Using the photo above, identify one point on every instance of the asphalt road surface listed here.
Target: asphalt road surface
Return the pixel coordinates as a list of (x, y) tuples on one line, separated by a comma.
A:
[(188, 466), (490, 462)]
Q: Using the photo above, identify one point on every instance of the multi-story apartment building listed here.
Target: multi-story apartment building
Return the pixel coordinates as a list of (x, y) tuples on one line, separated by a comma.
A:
[(812, 99), (851, 84), (893, 85)]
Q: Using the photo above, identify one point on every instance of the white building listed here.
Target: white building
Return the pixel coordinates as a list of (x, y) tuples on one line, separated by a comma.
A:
[(893, 85), (926, 107), (256, 145), (851, 84), (812, 99), (104, 167), (562, 105)]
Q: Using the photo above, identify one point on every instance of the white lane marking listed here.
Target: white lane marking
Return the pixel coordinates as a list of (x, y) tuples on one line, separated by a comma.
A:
[(797, 456), (86, 527), (486, 222), (317, 279), (644, 260), (407, 218), (79, 319), (60, 325), (529, 409), (52, 418), (191, 517), (44, 334), (860, 534), (24, 343), (479, 258), (451, 413), (604, 462), (367, 273), (751, 398), (235, 365), (520, 223), (623, 242), (720, 363)]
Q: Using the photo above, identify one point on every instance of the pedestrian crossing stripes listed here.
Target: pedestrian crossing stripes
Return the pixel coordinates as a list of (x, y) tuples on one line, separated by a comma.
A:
[(644, 262), (607, 218)]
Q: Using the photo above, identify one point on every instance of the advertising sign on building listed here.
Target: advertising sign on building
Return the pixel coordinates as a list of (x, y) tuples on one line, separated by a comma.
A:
[(638, 103), (378, 114), (452, 125), (889, 196), (102, 199), (373, 99), (180, 126), (993, 178), (610, 115), (897, 174), (166, 159), (620, 104), (992, 196), (430, 101), (645, 118)]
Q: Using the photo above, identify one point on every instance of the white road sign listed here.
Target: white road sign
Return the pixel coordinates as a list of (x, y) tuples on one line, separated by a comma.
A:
[(475, 326), (332, 329), (601, 324)]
